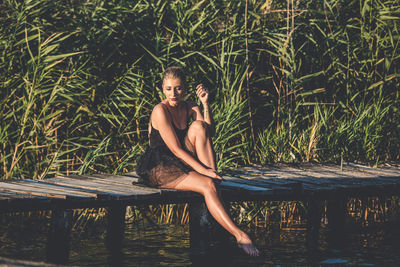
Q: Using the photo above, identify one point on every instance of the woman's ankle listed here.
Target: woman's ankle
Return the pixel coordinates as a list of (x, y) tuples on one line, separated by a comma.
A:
[(242, 237)]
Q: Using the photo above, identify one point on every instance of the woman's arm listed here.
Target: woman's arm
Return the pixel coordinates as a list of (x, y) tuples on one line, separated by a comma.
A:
[(162, 122), (202, 93)]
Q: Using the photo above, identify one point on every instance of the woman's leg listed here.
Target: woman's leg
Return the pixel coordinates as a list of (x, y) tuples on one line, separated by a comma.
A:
[(199, 142), (205, 186)]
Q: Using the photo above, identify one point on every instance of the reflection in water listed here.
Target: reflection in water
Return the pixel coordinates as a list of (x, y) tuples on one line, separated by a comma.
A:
[(145, 244), (216, 257)]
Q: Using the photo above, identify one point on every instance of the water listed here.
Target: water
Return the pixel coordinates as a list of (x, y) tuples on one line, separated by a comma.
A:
[(146, 244)]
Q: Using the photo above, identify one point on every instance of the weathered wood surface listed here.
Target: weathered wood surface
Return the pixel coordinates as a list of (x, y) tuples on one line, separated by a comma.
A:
[(281, 181), (5, 262)]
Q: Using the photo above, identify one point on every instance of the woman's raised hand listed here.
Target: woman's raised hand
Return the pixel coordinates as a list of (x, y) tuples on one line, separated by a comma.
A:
[(202, 93)]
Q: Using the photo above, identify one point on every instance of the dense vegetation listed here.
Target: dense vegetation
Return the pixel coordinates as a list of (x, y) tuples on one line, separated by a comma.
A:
[(290, 80)]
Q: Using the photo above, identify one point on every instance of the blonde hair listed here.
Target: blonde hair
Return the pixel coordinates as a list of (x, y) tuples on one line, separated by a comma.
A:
[(175, 72)]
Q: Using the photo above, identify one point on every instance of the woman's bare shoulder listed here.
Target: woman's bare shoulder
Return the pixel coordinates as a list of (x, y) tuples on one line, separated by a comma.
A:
[(158, 113), (159, 108)]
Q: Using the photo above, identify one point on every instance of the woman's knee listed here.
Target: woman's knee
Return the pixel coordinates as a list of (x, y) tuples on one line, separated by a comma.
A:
[(196, 182), (198, 127), (209, 185)]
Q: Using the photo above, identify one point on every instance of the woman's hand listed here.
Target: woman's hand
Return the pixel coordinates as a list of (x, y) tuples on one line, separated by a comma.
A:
[(213, 174), (202, 93)]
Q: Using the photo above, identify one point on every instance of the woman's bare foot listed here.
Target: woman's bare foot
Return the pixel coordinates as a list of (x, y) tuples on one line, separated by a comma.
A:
[(244, 242)]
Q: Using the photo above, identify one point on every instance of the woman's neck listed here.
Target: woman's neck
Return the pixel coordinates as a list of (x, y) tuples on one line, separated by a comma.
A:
[(174, 107)]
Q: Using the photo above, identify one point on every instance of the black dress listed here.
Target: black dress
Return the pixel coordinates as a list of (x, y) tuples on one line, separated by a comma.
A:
[(158, 166)]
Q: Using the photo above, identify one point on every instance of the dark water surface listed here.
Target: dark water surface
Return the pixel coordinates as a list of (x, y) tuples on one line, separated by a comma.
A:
[(146, 244)]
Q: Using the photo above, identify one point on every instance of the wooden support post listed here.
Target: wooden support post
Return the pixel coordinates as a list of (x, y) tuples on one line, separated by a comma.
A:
[(200, 227), (116, 226), (336, 212), (58, 242), (115, 233), (336, 215), (314, 214)]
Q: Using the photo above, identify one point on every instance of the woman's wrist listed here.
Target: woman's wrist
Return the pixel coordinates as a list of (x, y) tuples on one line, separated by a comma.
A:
[(203, 170), (206, 111)]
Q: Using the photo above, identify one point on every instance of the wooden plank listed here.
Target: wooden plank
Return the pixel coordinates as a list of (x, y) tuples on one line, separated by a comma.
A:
[(56, 187), (22, 263), (92, 182), (341, 184), (93, 193), (346, 181), (379, 171), (125, 179), (4, 195), (102, 184), (334, 171), (263, 177), (277, 188), (291, 181), (292, 172), (335, 175), (100, 194), (108, 178), (319, 170), (343, 176), (117, 192), (266, 174), (26, 189), (332, 183), (352, 179), (351, 171), (245, 187), (102, 181), (37, 193)]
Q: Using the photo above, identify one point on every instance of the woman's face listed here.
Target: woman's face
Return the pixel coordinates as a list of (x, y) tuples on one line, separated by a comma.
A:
[(173, 90)]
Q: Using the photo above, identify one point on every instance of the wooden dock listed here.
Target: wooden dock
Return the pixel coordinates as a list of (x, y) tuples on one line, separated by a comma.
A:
[(311, 183), (4, 262)]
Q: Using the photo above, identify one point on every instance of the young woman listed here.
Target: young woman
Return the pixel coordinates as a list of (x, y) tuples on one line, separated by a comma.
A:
[(181, 157)]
